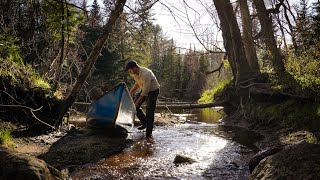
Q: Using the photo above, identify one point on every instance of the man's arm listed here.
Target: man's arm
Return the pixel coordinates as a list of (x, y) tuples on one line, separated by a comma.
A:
[(134, 89), (139, 100)]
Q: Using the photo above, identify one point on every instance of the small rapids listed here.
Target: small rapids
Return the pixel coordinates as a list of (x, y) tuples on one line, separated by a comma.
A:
[(218, 152)]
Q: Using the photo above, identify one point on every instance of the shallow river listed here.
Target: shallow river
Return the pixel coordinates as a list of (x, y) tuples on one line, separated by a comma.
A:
[(220, 152)]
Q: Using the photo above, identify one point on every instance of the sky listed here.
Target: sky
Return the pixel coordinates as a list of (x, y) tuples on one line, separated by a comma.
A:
[(175, 25), (172, 16), (178, 17)]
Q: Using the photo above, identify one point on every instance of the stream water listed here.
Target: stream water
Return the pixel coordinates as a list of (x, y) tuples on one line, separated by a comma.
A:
[(219, 152)]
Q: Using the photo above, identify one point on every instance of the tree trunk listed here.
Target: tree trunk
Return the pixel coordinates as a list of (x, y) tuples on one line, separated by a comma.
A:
[(293, 38), (269, 38), (233, 41), (247, 37), (91, 59), (57, 73)]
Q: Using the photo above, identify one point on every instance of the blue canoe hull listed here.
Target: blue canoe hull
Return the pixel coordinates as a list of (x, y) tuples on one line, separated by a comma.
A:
[(115, 107)]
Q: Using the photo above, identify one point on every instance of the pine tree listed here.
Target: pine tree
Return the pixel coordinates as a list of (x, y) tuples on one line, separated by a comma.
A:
[(95, 18), (302, 31), (316, 24)]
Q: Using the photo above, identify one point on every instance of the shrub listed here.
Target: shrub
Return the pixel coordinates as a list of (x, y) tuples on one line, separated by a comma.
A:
[(305, 69)]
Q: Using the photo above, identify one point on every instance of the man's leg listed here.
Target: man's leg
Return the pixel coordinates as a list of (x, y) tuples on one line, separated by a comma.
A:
[(140, 114), (151, 101)]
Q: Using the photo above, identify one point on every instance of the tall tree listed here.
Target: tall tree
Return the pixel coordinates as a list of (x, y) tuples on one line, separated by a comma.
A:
[(95, 16), (247, 36), (316, 24), (233, 41), (267, 33), (57, 73), (107, 28)]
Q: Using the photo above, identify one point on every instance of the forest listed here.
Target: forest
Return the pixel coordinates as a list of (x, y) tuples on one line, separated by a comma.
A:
[(259, 59), (252, 78)]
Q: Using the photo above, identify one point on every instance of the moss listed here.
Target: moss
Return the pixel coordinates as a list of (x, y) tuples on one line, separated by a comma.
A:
[(289, 113), (208, 95), (312, 139)]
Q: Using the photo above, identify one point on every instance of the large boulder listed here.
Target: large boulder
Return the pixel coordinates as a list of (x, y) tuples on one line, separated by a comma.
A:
[(14, 165), (300, 161), (261, 155)]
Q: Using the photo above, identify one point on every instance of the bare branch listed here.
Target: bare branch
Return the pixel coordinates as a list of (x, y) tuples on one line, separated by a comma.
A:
[(276, 9), (194, 31), (218, 69), (10, 96), (62, 1), (31, 111)]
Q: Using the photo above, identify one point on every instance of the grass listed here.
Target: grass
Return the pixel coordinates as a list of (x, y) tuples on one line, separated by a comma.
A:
[(5, 138)]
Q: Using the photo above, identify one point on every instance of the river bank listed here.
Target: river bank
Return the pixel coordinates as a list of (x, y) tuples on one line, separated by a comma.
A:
[(285, 152)]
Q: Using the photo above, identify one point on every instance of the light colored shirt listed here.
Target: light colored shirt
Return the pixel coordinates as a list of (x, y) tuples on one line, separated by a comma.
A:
[(146, 80)]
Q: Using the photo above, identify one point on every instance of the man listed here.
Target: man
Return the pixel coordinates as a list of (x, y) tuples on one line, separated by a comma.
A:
[(148, 83)]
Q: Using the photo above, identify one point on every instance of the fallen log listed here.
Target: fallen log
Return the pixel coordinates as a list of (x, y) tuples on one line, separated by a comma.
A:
[(81, 105), (190, 106)]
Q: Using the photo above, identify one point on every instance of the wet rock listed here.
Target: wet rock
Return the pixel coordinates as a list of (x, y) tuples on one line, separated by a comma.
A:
[(15, 165), (180, 159), (261, 155), (300, 161)]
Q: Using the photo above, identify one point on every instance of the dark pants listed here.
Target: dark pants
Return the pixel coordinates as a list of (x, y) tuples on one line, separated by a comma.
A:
[(148, 118)]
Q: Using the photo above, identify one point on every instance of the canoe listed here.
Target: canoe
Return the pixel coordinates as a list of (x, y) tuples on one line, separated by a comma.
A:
[(115, 107)]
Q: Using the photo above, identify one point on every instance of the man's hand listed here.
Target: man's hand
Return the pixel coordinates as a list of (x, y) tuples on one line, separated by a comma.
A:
[(132, 94)]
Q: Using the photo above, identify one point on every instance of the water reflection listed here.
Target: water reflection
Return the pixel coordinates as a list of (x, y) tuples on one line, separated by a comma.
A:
[(206, 115)]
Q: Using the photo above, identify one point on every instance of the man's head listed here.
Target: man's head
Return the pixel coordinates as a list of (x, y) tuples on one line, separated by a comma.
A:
[(132, 67)]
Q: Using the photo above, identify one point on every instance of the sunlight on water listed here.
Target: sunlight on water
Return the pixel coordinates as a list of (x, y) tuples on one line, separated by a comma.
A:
[(153, 158), (219, 152)]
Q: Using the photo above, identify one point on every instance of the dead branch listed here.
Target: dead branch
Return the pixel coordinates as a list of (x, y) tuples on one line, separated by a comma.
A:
[(61, 1), (218, 69), (31, 111), (10, 96)]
